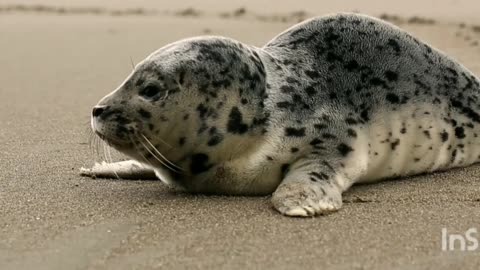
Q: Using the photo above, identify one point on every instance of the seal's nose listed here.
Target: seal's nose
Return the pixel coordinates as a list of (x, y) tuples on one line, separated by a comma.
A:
[(98, 110)]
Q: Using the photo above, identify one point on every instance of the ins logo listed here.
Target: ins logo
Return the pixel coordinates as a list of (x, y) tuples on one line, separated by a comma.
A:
[(461, 242)]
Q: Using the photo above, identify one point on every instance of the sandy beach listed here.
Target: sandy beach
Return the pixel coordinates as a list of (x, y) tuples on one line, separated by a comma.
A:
[(58, 58)]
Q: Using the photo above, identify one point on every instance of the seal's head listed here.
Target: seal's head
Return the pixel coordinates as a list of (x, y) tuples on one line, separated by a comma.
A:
[(184, 99)]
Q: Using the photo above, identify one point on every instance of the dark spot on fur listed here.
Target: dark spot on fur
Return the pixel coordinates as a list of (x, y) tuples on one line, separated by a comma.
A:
[(454, 155), (312, 74), (444, 136), (344, 149), (466, 110), (287, 89), (351, 65), (215, 139), (391, 76), (294, 132), (235, 122), (378, 82), (394, 144), (144, 113), (202, 110), (316, 141), (332, 57), (326, 164), (286, 105), (328, 136), (364, 115), (181, 76), (310, 91), (392, 98), (351, 121), (121, 120), (394, 45), (459, 132), (199, 163), (318, 176), (181, 141), (320, 126)]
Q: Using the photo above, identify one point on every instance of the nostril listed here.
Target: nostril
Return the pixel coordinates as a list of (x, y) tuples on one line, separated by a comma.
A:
[(98, 110)]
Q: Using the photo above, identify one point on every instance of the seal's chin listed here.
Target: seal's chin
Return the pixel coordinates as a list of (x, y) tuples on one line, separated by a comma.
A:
[(114, 142)]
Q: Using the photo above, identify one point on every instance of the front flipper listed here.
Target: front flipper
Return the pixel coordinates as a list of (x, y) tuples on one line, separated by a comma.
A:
[(128, 169), (309, 188)]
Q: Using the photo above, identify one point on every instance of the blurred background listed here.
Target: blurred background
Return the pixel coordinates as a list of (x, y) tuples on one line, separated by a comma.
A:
[(467, 9)]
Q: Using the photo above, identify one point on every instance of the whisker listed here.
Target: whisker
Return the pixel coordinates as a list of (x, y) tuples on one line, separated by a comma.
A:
[(164, 142), (95, 146), (140, 152), (105, 158), (158, 152), (157, 158), (155, 155), (131, 62), (92, 141), (100, 142), (95, 142), (111, 162)]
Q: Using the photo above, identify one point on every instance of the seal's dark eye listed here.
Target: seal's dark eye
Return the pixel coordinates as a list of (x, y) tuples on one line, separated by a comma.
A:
[(149, 91)]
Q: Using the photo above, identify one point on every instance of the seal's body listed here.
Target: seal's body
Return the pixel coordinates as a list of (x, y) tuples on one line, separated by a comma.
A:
[(333, 101)]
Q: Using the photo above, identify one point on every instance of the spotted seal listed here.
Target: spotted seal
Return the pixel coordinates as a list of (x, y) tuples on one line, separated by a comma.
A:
[(330, 102)]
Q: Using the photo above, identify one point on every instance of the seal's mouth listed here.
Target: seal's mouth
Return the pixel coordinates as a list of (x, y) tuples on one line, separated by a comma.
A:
[(140, 147), (116, 143)]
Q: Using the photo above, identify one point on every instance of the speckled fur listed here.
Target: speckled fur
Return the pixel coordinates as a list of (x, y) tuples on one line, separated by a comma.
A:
[(332, 101)]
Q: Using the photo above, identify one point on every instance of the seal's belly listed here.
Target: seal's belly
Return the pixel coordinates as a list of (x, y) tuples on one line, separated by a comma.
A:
[(416, 140)]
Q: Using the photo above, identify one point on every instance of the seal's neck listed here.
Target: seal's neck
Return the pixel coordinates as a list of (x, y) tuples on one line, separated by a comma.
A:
[(227, 119)]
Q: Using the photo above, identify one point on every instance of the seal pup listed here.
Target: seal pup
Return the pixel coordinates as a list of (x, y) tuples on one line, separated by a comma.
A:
[(330, 102)]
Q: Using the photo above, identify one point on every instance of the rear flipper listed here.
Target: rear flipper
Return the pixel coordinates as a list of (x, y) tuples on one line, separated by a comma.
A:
[(129, 169)]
